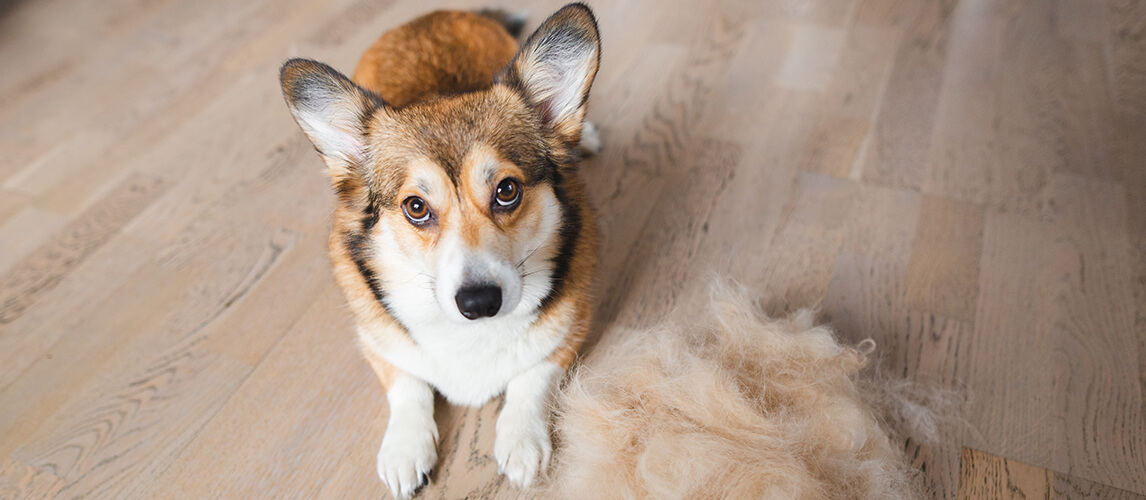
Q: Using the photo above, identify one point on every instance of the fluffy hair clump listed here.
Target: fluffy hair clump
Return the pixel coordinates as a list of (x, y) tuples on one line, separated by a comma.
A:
[(738, 406)]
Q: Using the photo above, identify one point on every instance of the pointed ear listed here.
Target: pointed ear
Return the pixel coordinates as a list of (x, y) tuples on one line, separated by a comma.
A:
[(556, 66), (330, 109)]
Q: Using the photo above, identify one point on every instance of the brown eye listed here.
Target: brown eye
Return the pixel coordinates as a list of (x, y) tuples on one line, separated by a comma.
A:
[(508, 194), (416, 210)]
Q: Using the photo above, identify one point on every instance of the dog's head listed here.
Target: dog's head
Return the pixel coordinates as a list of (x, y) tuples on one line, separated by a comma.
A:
[(457, 201)]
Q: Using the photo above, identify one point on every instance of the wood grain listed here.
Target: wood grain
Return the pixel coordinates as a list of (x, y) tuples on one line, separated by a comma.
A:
[(850, 101), (1011, 299), (321, 371), (1094, 329), (21, 481), (809, 237), (982, 475), (690, 205), (897, 152), (959, 180), (41, 271), (961, 156), (1127, 20), (943, 276), (865, 300), (1066, 486)]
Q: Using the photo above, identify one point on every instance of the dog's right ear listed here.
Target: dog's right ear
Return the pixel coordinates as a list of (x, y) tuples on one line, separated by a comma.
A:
[(331, 109)]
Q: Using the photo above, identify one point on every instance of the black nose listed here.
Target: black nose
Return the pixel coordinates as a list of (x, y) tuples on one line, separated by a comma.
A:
[(480, 301)]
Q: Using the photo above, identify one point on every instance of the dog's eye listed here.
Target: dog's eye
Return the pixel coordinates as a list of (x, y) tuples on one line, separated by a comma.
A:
[(416, 210), (508, 193)]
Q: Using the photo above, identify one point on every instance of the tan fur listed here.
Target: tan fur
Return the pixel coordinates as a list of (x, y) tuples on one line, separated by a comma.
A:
[(442, 52), (566, 353), (385, 371), (738, 406)]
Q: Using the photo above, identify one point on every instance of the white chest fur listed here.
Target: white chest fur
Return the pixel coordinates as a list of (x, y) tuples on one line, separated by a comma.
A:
[(470, 363)]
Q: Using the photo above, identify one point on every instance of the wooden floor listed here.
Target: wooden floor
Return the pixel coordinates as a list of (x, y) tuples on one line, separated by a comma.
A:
[(963, 181)]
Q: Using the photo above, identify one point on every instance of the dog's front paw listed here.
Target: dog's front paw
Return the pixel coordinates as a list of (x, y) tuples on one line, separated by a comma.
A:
[(521, 447), (406, 459)]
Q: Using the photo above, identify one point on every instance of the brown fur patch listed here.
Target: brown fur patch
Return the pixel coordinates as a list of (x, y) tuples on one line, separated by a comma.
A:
[(440, 53), (443, 131)]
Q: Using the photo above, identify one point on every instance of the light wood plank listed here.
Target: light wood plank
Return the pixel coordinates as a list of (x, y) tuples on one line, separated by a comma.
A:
[(897, 151), (316, 369), (811, 59), (1082, 19), (19, 481), (28, 229), (1070, 487), (42, 270), (1011, 298), (865, 300), (677, 228), (11, 203), (850, 102), (986, 476), (744, 109), (943, 277), (961, 156), (811, 233), (1089, 299), (1064, 356), (983, 475), (1127, 55)]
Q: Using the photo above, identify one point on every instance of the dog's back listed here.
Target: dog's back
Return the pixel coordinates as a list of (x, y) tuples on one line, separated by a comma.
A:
[(443, 52)]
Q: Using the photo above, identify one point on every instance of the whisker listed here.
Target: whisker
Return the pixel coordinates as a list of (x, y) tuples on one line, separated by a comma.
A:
[(530, 256), (531, 273)]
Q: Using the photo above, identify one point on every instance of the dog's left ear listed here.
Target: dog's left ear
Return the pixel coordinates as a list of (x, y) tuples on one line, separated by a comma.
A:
[(555, 68)]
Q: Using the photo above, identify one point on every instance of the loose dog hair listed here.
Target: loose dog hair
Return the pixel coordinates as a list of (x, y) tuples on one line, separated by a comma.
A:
[(736, 406)]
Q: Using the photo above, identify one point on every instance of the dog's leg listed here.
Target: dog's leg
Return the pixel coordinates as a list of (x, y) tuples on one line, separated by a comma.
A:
[(409, 448), (590, 139), (522, 446)]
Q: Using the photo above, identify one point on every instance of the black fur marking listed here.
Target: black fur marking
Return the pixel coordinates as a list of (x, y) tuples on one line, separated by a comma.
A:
[(451, 164), (570, 230), (370, 215), (346, 188), (512, 22), (356, 244)]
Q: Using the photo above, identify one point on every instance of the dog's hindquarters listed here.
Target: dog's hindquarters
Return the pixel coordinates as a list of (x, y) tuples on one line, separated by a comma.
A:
[(441, 53)]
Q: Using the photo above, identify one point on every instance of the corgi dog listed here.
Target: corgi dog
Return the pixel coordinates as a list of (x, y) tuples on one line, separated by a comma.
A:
[(462, 239)]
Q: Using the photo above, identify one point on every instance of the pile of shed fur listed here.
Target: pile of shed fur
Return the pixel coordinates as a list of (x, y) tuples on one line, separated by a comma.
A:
[(736, 406)]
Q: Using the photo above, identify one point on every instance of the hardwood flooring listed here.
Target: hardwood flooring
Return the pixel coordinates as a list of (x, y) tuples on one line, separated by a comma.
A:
[(964, 181)]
